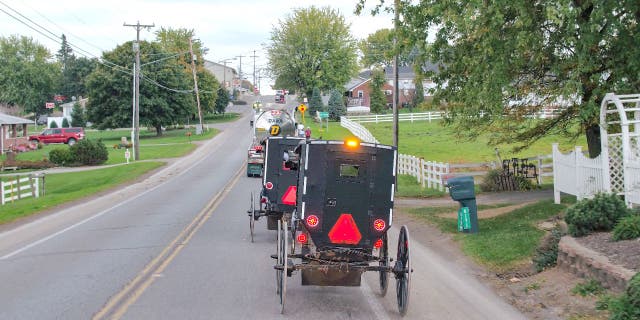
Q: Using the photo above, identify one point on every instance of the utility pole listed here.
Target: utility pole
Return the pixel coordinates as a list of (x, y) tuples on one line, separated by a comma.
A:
[(240, 69), (396, 23), (224, 72), (254, 68), (195, 85), (136, 120)]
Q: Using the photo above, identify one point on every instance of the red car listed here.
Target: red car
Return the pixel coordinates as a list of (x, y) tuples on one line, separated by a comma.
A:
[(59, 135)]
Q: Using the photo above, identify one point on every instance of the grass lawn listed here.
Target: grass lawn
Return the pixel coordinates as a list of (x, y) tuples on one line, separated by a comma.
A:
[(65, 187), (432, 141), (503, 242)]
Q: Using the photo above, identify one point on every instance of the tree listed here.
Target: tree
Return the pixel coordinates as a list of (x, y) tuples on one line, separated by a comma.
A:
[(419, 94), (312, 48), (27, 77), (222, 101), (65, 123), (503, 61), (163, 101), (336, 105), (65, 53), (176, 42), (74, 76), (378, 101), (377, 49), (315, 102), (78, 116)]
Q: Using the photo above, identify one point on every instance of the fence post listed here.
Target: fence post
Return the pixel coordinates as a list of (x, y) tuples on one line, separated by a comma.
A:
[(539, 170), (422, 172), (2, 191), (555, 155), (33, 189), (429, 115), (579, 171)]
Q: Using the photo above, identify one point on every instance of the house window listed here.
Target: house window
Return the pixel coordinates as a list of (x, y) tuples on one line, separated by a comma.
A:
[(360, 94), (388, 92)]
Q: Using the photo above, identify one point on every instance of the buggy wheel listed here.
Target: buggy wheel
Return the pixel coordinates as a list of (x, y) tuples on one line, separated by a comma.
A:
[(281, 275), (252, 217), (384, 262), (403, 271)]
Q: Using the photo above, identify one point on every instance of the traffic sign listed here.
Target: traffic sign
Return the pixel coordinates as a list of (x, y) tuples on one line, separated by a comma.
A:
[(49, 105), (302, 108), (323, 115)]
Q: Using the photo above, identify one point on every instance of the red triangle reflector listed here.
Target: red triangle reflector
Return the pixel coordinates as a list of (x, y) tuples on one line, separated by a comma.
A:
[(345, 231), (289, 196)]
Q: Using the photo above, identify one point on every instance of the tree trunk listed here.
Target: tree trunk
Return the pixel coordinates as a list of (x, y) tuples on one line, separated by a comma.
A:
[(158, 130), (593, 140)]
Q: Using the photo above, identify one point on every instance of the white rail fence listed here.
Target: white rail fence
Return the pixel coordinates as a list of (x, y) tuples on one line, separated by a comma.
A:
[(377, 118), (358, 130), (576, 174), (18, 188)]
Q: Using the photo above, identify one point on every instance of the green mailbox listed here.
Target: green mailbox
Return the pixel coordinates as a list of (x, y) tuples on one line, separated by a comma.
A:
[(462, 190)]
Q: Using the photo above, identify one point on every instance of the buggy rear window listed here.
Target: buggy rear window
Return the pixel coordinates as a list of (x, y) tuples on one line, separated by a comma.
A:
[(349, 170)]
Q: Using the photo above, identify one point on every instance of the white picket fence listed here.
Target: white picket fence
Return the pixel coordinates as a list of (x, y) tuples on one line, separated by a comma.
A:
[(18, 188), (376, 118), (429, 174), (576, 174)]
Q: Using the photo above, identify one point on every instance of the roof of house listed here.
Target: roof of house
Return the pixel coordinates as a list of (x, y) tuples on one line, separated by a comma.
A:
[(7, 119), (404, 72), (355, 82)]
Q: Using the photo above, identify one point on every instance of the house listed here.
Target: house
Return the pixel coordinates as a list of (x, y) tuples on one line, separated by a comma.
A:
[(223, 73), (67, 112), (357, 89), (13, 132)]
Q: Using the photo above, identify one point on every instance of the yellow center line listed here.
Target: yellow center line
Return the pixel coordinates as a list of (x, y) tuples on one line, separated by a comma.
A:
[(120, 303)]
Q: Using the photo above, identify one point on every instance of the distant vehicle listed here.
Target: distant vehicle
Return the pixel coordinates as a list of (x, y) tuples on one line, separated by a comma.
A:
[(59, 135), (280, 98), (42, 119)]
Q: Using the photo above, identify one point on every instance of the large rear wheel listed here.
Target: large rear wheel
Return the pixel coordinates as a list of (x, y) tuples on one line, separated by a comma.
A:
[(402, 269), (252, 217), (281, 271), (384, 262)]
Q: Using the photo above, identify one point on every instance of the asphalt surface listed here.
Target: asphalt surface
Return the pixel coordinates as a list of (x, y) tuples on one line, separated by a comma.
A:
[(176, 246)]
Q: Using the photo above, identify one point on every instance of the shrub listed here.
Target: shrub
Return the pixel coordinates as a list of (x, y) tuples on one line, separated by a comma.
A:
[(65, 123), (598, 214), (26, 164), (627, 228), (90, 153), (547, 253), (61, 156), (627, 306), (53, 124)]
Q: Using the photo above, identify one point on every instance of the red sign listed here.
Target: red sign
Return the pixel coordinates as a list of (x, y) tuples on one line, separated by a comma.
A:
[(59, 98), (289, 197), (49, 105)]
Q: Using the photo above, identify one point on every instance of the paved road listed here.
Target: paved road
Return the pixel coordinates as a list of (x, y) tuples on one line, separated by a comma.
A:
[(175, 246)]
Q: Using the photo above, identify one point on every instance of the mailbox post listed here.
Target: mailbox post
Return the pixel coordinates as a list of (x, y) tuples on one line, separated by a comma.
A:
[(461, 190)]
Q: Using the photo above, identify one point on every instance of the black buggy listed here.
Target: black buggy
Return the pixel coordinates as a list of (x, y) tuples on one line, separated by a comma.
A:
[(279, 183), (344, 209)]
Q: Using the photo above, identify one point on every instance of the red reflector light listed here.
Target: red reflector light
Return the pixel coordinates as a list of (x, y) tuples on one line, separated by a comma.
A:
[(289, 196), (263, 200), (378, 244), (345, 231), (258, 148), (312, 220), (268, 185), (379, 225), (302, 238)]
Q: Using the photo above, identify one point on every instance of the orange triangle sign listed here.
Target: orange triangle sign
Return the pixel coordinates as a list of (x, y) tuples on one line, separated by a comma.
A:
[(289, 197)]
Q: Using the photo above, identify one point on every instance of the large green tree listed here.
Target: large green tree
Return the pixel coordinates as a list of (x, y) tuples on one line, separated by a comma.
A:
[(312, 48), (378, 50), (336, 106), (166, 97), (74, 76), (28, 78), (503, 61), (176, 42)]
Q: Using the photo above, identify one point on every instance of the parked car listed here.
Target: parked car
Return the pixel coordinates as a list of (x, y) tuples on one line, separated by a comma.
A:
[(42, 119), (59, 135)]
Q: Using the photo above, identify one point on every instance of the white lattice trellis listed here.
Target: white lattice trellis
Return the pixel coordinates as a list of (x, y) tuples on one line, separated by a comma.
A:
[(620, 138)]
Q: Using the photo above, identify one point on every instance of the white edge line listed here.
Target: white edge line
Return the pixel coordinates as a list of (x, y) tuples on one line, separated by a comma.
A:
[(49, 237), (375, 305)]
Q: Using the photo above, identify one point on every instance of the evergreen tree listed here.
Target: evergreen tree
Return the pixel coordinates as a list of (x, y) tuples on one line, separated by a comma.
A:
[(378, 100), (53, 124), (315, 103), (336, 107), (78, 116), (419, 97), (65, 53), (65, 123)]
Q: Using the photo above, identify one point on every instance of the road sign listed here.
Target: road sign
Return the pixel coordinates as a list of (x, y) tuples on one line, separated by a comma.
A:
[(49, 105), (323, 115), (302, 108)]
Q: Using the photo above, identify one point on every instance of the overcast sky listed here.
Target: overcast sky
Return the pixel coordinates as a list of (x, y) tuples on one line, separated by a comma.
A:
[(227, 28)]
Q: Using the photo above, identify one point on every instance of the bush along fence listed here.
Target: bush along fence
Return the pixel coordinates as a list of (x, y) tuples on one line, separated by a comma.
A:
[(20, 187), (431, 174)]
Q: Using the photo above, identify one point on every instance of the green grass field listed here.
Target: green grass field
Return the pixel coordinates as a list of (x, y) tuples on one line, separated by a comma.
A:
[(66, 187), (503, 242)]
